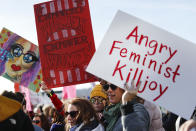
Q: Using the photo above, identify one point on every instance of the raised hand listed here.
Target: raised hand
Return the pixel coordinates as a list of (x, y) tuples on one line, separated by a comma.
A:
[(130, 91), (44, 87)]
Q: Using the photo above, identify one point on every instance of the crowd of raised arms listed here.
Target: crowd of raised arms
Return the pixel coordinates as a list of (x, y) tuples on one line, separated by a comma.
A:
[(109, 108)]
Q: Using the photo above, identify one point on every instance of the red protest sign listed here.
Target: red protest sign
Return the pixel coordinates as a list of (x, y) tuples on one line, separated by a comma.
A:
[(66, 41)]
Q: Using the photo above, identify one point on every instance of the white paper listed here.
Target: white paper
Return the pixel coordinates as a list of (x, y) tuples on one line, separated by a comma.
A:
[(166, 65)]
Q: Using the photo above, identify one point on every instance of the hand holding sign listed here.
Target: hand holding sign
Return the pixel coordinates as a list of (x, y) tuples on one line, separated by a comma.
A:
[(45, 88), (130, 91)]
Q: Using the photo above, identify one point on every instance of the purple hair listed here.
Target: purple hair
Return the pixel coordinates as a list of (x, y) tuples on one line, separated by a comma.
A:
[(28, 76), (7, 47)]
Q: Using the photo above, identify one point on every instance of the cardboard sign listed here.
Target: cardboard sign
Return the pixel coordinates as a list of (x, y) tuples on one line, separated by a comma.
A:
[(66, 41), (19, 59), (163, 62)]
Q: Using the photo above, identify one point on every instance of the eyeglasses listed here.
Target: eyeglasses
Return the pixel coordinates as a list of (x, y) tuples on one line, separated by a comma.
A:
[(36, 121), (106, 87), (98, 100), (17, 51), (73, 114)]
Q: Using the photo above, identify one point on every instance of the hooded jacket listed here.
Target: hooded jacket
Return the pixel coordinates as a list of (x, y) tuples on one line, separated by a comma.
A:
[(155, 116)]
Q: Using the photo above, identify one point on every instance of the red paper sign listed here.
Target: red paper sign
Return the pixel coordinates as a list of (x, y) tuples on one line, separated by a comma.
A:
[(66, 41)]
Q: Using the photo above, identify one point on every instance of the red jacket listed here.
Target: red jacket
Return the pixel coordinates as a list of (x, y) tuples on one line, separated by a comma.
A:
[(57, 102)]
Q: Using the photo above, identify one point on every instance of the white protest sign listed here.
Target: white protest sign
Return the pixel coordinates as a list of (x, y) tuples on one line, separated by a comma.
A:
[(163, 62)]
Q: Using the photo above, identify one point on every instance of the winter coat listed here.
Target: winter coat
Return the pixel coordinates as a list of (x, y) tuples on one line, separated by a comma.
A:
[(133, 117), (37, 128), (169, 121), (18, 122), (93, 125), (57, 127), (12, 117), (56, 102), (155, 116)]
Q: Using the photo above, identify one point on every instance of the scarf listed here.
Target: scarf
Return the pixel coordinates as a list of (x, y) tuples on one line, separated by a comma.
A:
[(111, 115)]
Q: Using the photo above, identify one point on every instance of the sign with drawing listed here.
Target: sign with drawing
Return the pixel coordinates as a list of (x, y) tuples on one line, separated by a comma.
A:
[(19, 58)]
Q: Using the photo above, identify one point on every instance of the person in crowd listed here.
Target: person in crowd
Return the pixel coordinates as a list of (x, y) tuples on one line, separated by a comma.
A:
[(21, 99), (52, 114), (46, 110), (31, 114), (81, 116), (14, 117), (169, 121), (41, 121), (155, 115), (179, 122), (98, 98), (194, 114), (38, 109), (55, 100), (58, 122), (189, 125), (124, 112)]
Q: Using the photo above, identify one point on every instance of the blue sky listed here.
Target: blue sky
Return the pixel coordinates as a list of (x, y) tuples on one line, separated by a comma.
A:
[(175, 16)]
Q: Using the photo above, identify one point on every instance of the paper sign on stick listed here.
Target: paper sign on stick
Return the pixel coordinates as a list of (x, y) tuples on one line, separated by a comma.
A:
[(19, 58), (163, 62), (66, 41)]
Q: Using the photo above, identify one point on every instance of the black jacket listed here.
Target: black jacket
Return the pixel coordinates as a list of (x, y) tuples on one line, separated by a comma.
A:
[(18, 122)]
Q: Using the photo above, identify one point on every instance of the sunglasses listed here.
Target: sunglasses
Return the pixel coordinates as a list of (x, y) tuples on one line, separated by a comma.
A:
[(98, 100), (17, 51), (36, 121), (106, 87), (73, 114)]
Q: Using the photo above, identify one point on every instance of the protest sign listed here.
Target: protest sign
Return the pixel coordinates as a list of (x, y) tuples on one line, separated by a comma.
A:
[(19, 59), (66, 41), (26, 92), (163, 62), (69, 92)]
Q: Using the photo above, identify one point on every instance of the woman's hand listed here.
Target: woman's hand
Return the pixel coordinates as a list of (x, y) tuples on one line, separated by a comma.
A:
[(130, 92), (45, 88)]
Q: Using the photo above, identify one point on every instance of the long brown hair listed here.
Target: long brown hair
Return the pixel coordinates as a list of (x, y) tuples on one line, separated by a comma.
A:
[(86, 110), (44, 122)]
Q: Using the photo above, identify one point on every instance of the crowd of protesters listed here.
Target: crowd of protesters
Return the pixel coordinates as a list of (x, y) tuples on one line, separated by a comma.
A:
[(109, 108)]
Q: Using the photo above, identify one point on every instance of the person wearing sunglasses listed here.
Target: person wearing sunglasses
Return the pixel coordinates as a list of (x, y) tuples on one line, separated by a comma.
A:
[(124, 112), (41, 121), (81, 116)]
